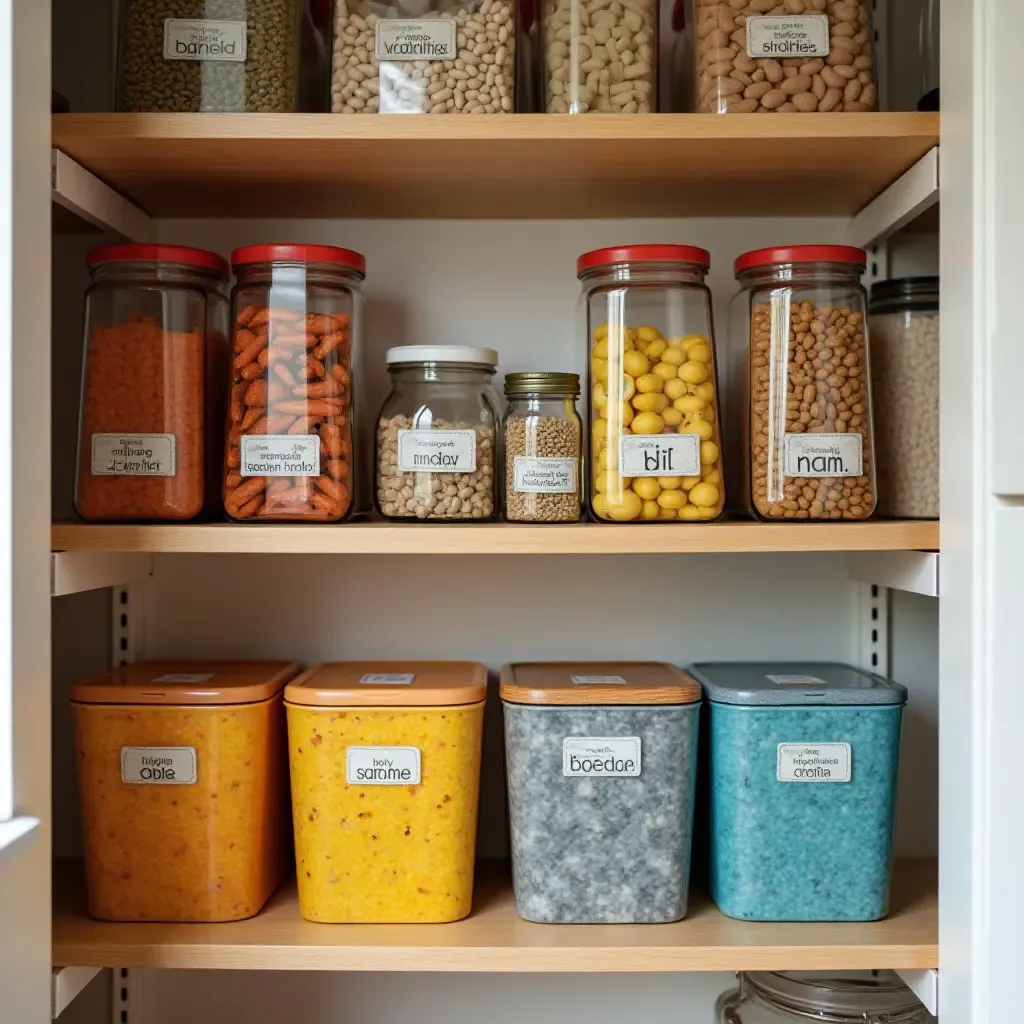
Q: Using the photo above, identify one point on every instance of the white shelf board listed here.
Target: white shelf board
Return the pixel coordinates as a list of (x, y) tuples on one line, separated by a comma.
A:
[(93, 204), (916, 572), (66, 983), (72, 572), (925, 985), (910, 195)]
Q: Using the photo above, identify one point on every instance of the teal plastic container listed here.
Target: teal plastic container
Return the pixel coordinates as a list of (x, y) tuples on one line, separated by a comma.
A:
[(802, 767)]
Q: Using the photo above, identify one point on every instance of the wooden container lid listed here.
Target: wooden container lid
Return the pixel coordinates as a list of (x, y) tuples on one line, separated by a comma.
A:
[(583, 683), (389, 684), (187, 682)]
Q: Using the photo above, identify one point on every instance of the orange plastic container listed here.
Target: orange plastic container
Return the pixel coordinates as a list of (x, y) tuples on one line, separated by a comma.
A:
[(183, 784)]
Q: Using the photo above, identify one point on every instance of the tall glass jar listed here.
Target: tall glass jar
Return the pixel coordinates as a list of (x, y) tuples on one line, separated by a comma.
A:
[(905, 377), (652, 410), (437, 435), (293, 446), (847, 997), (151, 411), (808, 434), (543, 439), (929, 46)]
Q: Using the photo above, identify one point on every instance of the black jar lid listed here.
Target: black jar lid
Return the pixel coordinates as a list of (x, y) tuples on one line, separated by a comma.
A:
[(905, 295), (542, 383)]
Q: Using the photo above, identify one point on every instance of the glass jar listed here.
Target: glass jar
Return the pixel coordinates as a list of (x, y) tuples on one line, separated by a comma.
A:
[(292, 446), (652, 409), (437, 434), (600, 58), (457, 57), (543, 438), (905, 382), (929, 46), (742, 66), (808, 374), (151, 414), (846, 997)]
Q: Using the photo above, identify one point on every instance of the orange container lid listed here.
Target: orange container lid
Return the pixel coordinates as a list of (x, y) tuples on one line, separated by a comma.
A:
[(583, 683), (389, 684), (187, 682)]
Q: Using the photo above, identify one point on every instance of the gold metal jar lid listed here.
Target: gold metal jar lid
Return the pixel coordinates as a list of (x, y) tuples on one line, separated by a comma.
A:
[(537, 383)]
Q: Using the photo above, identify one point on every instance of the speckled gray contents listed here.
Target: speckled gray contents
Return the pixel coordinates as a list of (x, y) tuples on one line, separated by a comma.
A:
[(601, 850)]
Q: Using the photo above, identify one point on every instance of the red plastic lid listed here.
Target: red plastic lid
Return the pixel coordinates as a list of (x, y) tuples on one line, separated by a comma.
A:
[(801, 254), (158, 254), (643, 254), (288, 253)]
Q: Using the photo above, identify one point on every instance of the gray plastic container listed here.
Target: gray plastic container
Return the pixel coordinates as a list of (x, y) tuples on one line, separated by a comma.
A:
[(602, 764)]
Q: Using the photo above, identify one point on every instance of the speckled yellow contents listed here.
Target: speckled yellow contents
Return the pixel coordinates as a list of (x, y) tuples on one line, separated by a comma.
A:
[(385, 853)]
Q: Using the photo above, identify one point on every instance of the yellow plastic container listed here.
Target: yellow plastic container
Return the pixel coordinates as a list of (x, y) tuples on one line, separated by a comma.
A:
[(183, 787), (385, 770)]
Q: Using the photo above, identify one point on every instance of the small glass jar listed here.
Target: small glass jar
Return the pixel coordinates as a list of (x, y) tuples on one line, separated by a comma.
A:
[(929, 46), (808, 433), (543, 438), (905, 380), (151, 416), (847, 997), (652, 409), (437, 435), (292, 445)]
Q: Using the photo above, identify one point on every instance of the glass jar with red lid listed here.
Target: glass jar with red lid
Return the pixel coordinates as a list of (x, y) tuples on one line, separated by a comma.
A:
[(652, 409), (292, 444), (808, 436), (151, 415)]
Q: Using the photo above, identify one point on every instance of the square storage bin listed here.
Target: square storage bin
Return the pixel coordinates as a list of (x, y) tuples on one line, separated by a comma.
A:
[(802, 764), (183, 785), (385, 770), (601, 774)]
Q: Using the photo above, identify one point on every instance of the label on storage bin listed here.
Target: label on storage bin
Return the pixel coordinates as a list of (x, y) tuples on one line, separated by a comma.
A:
[(437, 451), (199, 39), (133, 454), (544, 475), (383, 679), (382, 766), (824, 455), (659, 455), (593, 757), (415, 39), (796, 680), (785, 36), (184, 677), (598, 681), (814, 762), (159, 766), (280, 455)]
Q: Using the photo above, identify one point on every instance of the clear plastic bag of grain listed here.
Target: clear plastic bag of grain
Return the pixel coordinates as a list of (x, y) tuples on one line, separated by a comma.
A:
[(424, 57), (784, 56)]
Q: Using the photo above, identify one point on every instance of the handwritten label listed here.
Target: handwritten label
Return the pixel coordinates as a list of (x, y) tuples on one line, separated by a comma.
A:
[(437, 451), (610, 757), (544, 475), (159, 766), (814, 762), (200, 39), (280, 455), (133, 454), (415, 39), (784, 37), (382, 766), (659, 455), (824, 455)]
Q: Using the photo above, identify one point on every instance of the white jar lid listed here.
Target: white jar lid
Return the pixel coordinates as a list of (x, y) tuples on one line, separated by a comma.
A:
[(442, 354)]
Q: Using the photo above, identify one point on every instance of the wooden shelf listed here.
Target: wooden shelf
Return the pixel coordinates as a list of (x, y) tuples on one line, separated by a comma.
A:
[(493, 938), (525, 165), (496, 538)]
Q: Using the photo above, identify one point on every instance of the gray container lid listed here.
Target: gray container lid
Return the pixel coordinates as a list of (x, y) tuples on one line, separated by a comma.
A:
[(794, 683)]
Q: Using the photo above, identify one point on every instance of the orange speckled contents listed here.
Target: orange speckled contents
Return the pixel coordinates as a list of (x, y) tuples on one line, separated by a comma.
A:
[(183, 787)]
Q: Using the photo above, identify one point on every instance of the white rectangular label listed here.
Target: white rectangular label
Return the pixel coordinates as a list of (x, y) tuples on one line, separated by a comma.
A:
[(659, 455), (437, 451), (824, 455), (544, 475), (280, 455), (199, 39), (610, 757), (382, 766), (159, 766), (598, 681), (415, 39), (184, 677), (814, 762), (133, 455), (383, 679), (787, 37), (796, 680)]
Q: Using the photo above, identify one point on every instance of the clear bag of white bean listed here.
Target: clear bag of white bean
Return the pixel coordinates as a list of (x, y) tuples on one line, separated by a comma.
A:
[(784, 56), (424, 57), (600, 56)]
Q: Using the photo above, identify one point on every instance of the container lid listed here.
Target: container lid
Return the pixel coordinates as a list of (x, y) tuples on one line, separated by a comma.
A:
[(854, 996), (801, 254), (794, 683), (905, 294), (542, 383), (583, 683), (389, 684), (441, 354), (182, 254), (187, 682), (643, 254), (287, 252)]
